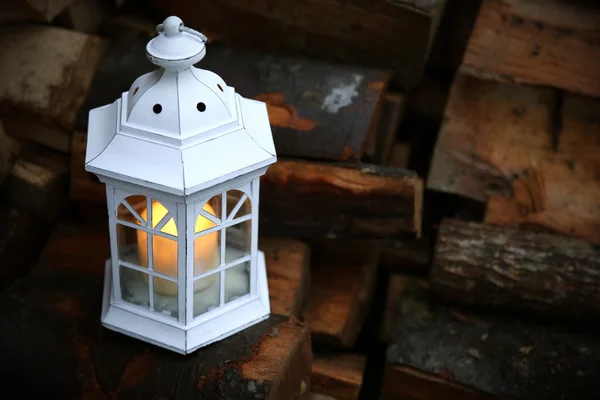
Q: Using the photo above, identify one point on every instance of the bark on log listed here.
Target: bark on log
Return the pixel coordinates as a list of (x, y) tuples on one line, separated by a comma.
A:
[(317, 110), (443, 353), (495, 135), (46, 84), (338, 376), (309, 199), (550, 43), (38, 183), (343, 277), (485, 265), (355, 32)]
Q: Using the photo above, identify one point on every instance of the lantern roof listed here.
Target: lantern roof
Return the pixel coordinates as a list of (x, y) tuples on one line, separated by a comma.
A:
[(179, 129)]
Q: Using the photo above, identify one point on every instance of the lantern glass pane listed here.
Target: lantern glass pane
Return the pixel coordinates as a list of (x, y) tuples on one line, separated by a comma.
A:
[(161, 215), (133, 245), (134, 287), (165, 297), (212, 214), (137, 203), (206, 293), (207, 252), (164, 255), (237, 281), (238, 204), (238, 239)]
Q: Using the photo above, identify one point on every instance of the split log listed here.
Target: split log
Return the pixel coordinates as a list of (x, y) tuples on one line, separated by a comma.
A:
[(317, 110), (310, 199), (548, 274), (85, 15), (57, 333), (550, 43), (496, 134), (38, 183), (338, 376), (45, 85), (22, 239), (391, 117), (83, 248), (355, 32), (31, 10), (444, 353), (288, 274), (343, 279)]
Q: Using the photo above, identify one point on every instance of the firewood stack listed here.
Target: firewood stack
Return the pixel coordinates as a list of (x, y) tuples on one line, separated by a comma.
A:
[(431, 227)]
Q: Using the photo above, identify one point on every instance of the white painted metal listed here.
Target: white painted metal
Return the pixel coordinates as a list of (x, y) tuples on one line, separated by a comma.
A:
[(180, 136)]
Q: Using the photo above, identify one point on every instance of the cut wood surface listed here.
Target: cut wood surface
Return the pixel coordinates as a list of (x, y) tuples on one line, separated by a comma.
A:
[(22, 239), (308, 199), (547, 43), (311, 199), (357, 31), (84, 247), (496, 134), (343, 279), (38, 183), (57, 333), (484, 265), (443, 353), (46, 73), (339, 376), (317, 110)]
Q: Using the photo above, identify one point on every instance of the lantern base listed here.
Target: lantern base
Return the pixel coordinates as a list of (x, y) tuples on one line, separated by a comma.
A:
[(168, 333)]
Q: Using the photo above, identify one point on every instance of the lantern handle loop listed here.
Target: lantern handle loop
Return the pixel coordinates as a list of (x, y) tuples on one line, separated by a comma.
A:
[(160, 29)]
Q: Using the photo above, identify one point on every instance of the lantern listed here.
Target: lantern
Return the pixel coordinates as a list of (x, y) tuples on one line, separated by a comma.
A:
[(181, 155)]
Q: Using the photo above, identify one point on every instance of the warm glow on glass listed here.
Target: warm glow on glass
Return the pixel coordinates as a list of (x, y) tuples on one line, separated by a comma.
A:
[(164, 250)]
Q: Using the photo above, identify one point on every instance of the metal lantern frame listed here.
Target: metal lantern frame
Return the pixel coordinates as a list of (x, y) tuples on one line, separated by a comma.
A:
[(205, 142)]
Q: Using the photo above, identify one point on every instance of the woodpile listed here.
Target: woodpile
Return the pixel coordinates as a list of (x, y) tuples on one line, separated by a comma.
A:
[(430, 229)]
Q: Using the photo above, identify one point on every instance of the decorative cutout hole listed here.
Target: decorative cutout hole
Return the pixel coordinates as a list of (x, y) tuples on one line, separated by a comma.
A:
[(157, 108), (136, 90), (219, 86), (201, 107)]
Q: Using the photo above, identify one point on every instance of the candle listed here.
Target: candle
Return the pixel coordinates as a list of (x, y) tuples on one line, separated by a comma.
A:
[(164, 250)]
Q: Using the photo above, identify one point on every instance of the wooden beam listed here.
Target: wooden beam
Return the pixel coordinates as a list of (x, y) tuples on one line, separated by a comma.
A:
[(51, 81), (496, 134), (38, 183), (439, 352), (550, 43), (354, 32), (57, 333), (542, 273), (335, 194), (338, 376), (343, 278), (317, 110)]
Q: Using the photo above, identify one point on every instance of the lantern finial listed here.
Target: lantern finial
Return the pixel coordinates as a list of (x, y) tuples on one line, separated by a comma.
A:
[(176, 46)]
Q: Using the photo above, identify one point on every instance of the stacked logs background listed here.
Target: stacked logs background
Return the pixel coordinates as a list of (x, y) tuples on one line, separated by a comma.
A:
[(431, 228)]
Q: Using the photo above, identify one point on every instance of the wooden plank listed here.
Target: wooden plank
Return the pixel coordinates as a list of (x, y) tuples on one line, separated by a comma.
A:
[(495, 135), (78, 246), (22, 238), (343, 277), (38, 183), (550, 43), (42, 83), (76, 358), (338, 376), (355, 32), (443, 353), (547, 274), (391, 116), (335, 194), (317, 110), (31, 10)]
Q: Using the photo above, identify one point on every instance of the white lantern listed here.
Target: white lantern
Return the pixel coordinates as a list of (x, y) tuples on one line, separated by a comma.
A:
[(181, 155)]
